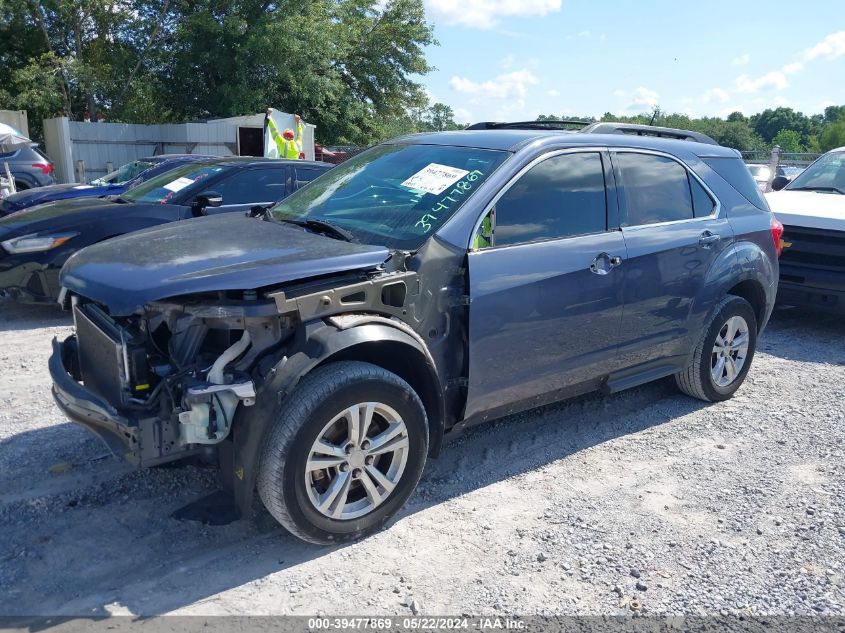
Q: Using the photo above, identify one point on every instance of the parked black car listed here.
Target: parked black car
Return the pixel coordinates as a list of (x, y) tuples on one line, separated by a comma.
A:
[(36, 242), (119, 181), (431, 282)]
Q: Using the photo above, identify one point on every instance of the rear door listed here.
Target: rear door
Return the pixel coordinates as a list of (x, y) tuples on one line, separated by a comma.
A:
[(545, 285), (673, 233)]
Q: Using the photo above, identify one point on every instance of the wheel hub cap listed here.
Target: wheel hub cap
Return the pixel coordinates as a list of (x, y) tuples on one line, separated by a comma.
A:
[(356, 458)]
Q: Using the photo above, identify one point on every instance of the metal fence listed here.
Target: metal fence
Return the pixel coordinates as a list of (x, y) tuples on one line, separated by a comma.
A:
[(337, 154), (84, 151), (794, 159)]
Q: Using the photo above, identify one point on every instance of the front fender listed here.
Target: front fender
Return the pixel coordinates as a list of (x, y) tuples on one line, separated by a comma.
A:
[(317, 343)]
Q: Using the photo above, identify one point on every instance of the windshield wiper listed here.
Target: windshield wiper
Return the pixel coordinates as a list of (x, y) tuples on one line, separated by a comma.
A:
[(322, 226), (834, 189)]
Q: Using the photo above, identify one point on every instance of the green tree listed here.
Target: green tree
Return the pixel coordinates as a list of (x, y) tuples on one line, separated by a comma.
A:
[(343, 64), (833, 135), (769, 122), (441, 117), (833, 113), (788, 141), (346, 65)]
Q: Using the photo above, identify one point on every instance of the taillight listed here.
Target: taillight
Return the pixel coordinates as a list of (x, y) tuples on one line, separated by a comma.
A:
[(45, 168), (777, 236)]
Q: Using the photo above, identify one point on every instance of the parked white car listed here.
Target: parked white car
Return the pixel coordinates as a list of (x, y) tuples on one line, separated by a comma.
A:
[(812, 210)]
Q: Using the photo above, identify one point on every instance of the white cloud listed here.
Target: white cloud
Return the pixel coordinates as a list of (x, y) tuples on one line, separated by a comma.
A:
[(640, 100), (644, 97), (775, 80), (716, 94), (462, 115), (830, 47), (507, 61), (791, 69), (512, 85), (602, 37), (553, 93), (486, 14), (584, 35), (742, 60), (781, 102)]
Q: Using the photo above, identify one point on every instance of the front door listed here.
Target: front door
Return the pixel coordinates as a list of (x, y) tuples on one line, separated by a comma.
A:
[(247, 188), (673, 234), (545, 286)]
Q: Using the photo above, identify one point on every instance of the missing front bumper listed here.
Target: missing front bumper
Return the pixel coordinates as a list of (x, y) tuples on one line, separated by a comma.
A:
[(140, 440)]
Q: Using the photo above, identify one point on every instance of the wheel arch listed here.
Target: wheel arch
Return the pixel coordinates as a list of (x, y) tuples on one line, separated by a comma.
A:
[(753, 292), (374, 339), (741, 270), (391, 345)]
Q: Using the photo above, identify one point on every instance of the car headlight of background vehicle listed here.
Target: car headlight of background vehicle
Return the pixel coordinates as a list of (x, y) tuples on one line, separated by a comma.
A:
[(34, 243)]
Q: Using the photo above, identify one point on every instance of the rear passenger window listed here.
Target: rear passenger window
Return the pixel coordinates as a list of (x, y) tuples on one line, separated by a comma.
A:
[(702, 203), (652, 189), (736, 173), (560, 197)]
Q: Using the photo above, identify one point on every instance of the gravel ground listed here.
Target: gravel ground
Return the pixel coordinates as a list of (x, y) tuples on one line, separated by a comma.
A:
[(644, 501)]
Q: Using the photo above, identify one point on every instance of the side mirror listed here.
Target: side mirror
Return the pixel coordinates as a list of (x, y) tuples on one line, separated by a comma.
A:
[(257, 211), (208, 199), (779, 182)]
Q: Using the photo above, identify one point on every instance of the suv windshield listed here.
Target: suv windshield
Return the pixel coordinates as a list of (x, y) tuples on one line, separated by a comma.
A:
[(395, 195), (826, 174), (125, 173), (163, 187)]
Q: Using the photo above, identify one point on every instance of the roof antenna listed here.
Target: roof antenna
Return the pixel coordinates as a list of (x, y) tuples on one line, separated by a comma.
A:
[(654, 115)]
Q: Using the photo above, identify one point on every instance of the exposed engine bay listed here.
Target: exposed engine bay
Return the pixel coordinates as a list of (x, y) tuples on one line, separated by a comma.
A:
[(178, 370)]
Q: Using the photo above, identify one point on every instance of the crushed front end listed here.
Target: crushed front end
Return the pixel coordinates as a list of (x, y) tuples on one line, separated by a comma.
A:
[(165, 383)]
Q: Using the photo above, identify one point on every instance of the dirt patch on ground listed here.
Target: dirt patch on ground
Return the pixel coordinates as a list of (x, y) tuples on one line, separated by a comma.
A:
[(576, 508)]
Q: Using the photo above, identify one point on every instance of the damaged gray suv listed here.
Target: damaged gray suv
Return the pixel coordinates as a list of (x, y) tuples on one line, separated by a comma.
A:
[(322, 350)]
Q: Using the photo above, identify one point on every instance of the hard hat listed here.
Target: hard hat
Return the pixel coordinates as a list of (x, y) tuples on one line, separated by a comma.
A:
[(288, 135)]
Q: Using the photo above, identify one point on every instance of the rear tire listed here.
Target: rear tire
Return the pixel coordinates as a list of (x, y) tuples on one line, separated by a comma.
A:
[(724, 352), (345, 452)]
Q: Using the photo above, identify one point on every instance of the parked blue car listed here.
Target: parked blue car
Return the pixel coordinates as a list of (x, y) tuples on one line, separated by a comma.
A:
[(322, 350), (113, 184)]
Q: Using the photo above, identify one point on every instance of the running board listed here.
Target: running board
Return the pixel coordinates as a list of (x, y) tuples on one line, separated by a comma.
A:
[(642, 374)]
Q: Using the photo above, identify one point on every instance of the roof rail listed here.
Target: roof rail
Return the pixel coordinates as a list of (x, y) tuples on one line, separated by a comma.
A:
[(609, 127), (563, 124)]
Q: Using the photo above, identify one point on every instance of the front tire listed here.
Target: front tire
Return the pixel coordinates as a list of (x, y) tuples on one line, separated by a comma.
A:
[(723, 355), (345, 452)]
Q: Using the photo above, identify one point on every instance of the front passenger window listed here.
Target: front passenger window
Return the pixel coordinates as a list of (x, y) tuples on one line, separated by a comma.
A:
[(560, 197)]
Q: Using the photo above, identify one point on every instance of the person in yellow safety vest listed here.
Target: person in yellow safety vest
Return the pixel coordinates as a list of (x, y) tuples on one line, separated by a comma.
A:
[(484, 237), (289, 144)]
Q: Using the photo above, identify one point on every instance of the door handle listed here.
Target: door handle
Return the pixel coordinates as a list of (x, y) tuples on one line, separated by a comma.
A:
[(707, 239), (604, 263)]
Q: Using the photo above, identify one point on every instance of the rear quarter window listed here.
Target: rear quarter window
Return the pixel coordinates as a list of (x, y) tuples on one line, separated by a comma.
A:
[(736, 173)]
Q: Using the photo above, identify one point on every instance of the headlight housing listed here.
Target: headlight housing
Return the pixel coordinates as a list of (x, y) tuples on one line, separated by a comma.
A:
[(34, 242)]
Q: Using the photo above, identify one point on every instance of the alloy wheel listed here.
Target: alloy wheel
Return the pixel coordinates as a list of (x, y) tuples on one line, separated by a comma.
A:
[(357, 460), (730, 351)]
